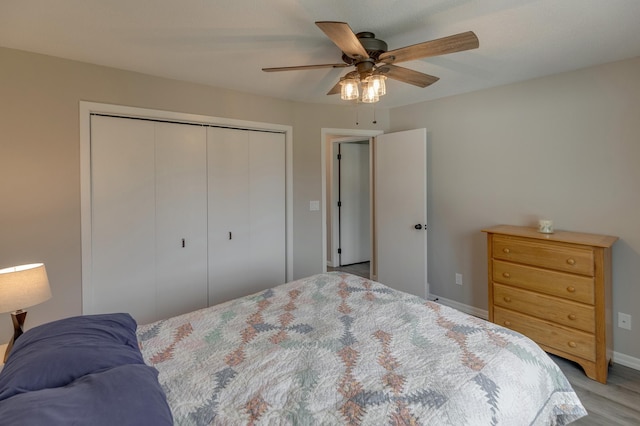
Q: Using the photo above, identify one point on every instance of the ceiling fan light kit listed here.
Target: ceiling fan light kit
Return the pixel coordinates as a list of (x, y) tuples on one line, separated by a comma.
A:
[(374, 64), (373, 87)]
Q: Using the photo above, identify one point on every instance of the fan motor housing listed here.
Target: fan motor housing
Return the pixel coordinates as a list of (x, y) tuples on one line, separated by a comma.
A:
[(371, 44)]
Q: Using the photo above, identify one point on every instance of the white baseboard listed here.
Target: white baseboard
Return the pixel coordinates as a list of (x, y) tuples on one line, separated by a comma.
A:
[(476, 312), (618, 358), (626, 360)]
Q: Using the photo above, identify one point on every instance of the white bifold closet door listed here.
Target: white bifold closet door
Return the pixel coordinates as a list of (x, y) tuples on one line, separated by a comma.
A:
[(246, 211), (149, 218), (181, 218)]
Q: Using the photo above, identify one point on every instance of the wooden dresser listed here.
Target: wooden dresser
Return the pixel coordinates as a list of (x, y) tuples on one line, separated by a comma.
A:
[(555, 289)]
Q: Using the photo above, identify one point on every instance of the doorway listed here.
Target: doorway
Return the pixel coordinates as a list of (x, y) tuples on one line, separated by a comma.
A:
[(358, 233), (351, 206), (398, 215), (351, 174)]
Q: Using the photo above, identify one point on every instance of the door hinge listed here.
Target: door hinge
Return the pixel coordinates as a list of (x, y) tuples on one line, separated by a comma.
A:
[(339, 203), (339, 251), (339, 156)]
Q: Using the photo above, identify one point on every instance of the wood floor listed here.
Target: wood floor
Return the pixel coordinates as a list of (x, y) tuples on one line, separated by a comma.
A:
[(615, 404), (360, 269)]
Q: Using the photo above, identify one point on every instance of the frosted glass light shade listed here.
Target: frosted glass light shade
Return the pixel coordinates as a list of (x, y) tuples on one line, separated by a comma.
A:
[(23, 286)]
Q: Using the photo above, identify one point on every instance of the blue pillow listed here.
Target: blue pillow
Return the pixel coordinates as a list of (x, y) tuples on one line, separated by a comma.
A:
[(57, 353), (121, 396)]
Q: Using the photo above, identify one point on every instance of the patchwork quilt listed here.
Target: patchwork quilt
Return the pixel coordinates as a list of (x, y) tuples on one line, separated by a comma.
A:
[(337, 349)]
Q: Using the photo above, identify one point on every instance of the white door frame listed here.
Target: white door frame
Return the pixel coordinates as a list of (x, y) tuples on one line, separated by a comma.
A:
[(328, 137), (88, 108)]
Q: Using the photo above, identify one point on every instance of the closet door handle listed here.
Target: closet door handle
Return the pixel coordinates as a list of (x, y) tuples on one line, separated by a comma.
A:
[(230, 237), (183, 243)]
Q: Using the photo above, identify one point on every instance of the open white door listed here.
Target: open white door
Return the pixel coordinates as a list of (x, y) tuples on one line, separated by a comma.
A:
[(401, 210)]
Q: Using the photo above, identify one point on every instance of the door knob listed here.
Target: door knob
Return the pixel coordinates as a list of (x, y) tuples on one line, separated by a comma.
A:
[(418, 226)]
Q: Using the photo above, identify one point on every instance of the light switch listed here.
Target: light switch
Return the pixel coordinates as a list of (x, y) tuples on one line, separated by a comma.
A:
[(314, 206)]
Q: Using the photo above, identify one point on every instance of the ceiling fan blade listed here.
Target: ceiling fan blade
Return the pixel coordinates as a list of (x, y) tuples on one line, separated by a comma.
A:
[(407, 76), (305, 67), (441, 46), (335, 89), (342, 35)]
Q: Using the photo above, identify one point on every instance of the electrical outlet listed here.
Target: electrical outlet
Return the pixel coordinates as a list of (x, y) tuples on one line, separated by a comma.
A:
[(458, 279), (624, 321)]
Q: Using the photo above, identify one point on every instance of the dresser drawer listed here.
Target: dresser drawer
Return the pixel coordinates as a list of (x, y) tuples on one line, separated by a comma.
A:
[(575, 342), (568, 286), (544, 254), (550, 308)]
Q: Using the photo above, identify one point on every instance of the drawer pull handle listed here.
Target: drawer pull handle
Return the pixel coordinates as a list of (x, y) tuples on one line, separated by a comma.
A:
[(571, 289), (571, 261), (506, 275), (572, 344), (507, 323), (506, 250), (572, 317), (507, 299)]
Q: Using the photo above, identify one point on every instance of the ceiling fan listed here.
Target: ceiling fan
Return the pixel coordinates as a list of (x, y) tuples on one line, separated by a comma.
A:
[(374, 63)]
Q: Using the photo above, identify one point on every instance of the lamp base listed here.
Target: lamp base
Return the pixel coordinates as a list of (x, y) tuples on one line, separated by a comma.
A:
[(17, 318)]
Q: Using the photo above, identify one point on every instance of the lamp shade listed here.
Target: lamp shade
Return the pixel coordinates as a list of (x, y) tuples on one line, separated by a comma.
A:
[(349, 89), (377, 80), (369, 93), (23, 286)]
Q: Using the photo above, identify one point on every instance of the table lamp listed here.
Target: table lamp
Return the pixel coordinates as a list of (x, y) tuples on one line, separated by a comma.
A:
[(21, 287)]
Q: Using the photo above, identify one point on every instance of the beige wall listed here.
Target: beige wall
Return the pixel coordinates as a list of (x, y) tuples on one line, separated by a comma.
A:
[(40, 163), (565, 147)]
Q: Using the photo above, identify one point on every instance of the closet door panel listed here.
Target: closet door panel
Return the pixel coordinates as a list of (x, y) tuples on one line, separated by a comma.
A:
[(228, 213), (267, 209), (123, 208), (181, 218)]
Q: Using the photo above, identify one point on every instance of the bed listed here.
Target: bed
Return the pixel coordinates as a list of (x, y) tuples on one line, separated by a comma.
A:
[(331, 349), (340, 349)]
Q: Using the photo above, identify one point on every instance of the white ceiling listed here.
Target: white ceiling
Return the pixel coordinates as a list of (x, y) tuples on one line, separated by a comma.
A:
[(225, 43)]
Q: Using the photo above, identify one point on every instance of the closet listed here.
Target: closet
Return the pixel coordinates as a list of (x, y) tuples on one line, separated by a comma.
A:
[(246, 212), (182, 216)]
